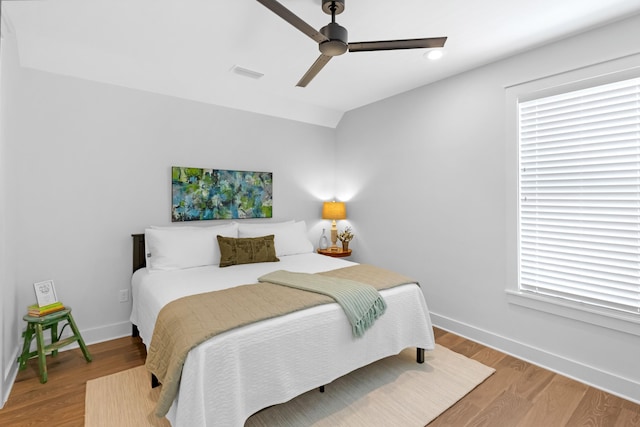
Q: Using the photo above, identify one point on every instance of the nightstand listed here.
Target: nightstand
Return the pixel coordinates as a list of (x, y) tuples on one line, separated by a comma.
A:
[(339, 253)]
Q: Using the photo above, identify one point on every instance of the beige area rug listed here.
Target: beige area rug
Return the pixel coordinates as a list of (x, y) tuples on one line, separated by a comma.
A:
[(393, 391)]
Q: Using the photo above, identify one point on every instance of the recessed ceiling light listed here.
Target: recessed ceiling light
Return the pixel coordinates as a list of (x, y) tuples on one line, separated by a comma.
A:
[(434, 54)]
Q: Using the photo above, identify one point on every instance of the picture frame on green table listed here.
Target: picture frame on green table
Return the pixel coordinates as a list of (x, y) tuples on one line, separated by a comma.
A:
[(45, 293)]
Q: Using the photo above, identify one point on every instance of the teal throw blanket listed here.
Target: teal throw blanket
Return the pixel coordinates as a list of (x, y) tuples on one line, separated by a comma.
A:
[(361, 302)]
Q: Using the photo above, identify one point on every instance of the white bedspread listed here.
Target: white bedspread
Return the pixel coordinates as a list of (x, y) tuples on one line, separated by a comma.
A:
[(235, 374)]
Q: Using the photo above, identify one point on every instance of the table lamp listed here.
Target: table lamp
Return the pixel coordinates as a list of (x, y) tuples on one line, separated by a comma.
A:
[(334, 211)]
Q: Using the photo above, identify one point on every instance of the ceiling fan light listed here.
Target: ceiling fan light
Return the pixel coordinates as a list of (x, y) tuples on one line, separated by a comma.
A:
[(333, 47)]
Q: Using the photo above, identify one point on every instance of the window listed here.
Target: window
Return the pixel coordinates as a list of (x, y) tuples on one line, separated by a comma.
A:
[(579, 197)]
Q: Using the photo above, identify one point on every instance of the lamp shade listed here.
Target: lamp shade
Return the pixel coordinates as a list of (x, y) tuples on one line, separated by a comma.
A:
[(334, 210)]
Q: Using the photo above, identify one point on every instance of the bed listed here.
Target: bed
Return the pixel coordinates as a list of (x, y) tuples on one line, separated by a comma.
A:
[(233, 375)]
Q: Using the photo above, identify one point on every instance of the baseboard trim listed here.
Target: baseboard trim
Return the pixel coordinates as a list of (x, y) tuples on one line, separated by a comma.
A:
[(10, 378), (93, 335), (106, 333), (606, 381)]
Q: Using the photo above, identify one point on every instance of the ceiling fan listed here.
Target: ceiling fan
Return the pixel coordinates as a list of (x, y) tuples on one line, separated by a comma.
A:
[(333, 41)]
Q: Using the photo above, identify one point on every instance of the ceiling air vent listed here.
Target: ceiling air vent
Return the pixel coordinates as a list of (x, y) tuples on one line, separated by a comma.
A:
[(246, 72)]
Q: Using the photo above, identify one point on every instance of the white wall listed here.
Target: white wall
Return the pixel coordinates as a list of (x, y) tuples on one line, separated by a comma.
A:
[(428, 195), (90, 165), (9, 334)]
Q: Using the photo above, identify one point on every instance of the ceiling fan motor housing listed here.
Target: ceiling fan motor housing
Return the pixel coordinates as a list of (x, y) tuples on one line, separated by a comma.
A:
[(337, 43)]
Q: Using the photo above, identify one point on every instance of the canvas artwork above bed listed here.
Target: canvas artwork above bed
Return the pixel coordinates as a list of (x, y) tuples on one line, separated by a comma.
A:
[(206, 194), (231, 375)]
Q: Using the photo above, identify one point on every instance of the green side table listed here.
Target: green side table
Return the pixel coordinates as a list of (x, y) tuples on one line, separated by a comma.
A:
[(35, 329)]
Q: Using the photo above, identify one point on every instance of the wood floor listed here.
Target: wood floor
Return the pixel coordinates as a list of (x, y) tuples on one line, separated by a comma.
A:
[(520, 394), (517, 394)]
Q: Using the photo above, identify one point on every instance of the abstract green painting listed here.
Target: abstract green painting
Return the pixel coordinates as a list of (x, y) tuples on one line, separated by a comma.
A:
[(204, 194)]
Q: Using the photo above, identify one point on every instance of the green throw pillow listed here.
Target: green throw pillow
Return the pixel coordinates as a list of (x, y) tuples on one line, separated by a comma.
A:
[(246, 250)]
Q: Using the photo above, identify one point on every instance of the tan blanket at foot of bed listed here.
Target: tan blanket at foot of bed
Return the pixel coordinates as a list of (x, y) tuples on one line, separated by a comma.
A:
[(184, 323)]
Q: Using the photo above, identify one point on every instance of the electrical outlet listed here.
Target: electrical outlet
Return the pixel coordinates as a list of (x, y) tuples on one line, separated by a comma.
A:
[(123, 295)]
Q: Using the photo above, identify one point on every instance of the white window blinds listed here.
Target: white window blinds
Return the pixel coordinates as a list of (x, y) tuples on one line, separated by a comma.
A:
[(580, 196)]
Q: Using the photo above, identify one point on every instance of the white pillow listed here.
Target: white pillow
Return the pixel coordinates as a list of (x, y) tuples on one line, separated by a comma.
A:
[(160, 227), (173, 248), (290, 237), (298, 242)]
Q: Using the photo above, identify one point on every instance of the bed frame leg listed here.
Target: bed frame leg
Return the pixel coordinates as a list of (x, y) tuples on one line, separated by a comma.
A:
[(154, 381), (420, 355), (321, 388)]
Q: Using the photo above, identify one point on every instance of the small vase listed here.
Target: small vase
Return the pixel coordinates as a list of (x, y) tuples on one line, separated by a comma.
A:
[(345, 246), (324, 242)]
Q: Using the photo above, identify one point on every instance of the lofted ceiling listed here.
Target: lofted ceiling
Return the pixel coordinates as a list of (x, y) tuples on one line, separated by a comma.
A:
[(190, 48)]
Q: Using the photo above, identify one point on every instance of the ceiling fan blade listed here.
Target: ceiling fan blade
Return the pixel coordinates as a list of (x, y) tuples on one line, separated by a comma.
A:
[(397, 44), (293, 19), (313, 70)]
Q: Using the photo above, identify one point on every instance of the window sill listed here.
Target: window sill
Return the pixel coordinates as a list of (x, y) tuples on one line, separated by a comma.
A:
[(622, 322)]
